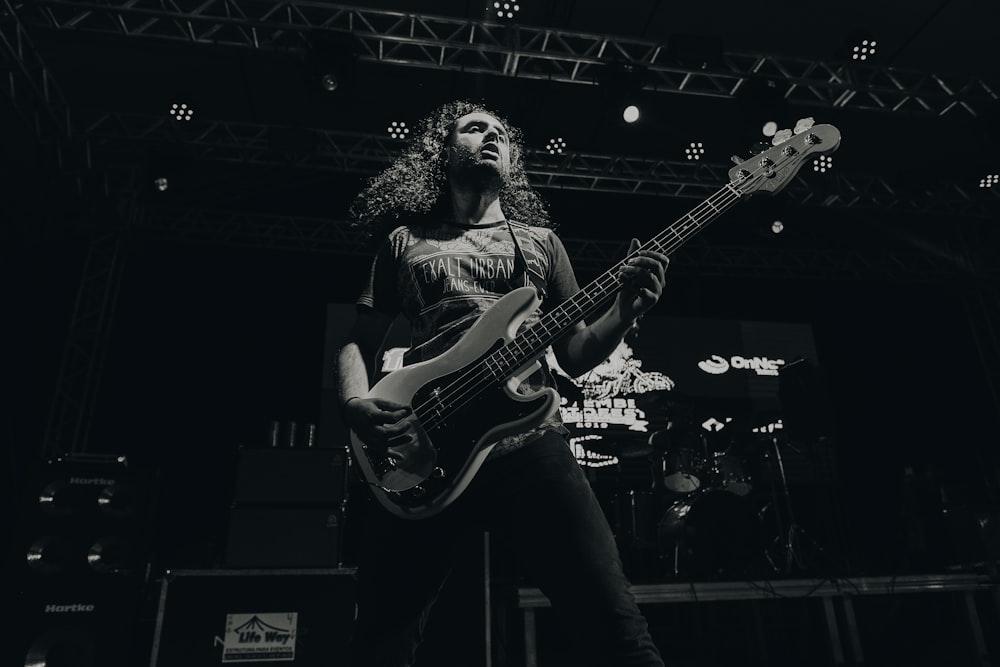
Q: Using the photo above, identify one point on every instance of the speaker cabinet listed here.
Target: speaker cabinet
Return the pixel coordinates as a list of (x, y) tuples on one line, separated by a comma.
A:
[(284, 537), (85, 522), (290, 476), (78, 627), (80, 559), (300, 617), (287, 508)]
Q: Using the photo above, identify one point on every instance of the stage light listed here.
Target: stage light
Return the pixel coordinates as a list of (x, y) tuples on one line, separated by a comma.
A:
[(506, 10), (823, 163), (331, 61), (631, 113), (864, 50), (329, 82), (769, 129), (555, 146), (161, 184), (181, 111), (777, 226), (859, 46), (398, 130), (695, 150), (989, 180)]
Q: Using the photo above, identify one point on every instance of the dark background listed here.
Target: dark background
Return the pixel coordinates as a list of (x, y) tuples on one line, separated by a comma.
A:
[(213, 338)]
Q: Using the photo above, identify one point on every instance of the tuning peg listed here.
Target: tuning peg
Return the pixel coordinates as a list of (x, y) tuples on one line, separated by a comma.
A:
[(780, 137), (804, 124), (737, 160)]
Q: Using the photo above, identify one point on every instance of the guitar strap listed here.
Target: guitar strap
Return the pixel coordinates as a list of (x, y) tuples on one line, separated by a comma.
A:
[(531, 275)]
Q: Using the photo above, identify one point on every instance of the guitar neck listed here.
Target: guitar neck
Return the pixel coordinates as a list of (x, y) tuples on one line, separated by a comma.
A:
[(533, 342)]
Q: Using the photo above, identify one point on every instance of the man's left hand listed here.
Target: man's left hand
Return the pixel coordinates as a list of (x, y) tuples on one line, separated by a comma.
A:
[(643, 275)]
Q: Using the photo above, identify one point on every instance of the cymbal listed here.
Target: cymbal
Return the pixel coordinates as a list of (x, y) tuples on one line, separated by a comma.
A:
[(746, 423)]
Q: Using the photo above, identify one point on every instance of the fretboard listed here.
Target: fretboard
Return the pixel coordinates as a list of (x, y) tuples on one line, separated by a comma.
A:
[(533, 341)]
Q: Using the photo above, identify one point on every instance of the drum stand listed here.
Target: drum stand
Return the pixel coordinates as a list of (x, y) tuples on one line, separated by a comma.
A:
[(792, 536)]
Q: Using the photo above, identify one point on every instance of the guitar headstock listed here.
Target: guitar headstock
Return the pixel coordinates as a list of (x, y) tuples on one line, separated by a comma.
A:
[(771, 170)]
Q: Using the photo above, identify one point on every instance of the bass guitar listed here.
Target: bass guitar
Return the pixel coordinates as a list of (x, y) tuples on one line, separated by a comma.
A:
[(465, 400)]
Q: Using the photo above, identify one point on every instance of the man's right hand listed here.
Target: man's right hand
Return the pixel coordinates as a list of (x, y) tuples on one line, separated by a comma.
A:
[(378, 421)]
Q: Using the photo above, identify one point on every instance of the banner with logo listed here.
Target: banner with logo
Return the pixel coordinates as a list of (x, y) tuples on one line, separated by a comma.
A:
[(724, 359)]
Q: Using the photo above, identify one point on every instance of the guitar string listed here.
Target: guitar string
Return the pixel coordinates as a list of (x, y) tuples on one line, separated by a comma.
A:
[(479, 377)]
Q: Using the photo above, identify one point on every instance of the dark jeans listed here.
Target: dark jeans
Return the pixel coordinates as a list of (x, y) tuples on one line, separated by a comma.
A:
[(538, 501)]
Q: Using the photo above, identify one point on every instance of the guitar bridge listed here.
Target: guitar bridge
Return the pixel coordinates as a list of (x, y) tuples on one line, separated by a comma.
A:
[(380, 464)]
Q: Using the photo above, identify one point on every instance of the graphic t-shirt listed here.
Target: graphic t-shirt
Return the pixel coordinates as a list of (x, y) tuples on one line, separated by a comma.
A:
[(443, 277)]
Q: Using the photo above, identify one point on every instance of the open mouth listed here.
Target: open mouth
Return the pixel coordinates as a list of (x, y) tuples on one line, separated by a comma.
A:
[(491, 150)]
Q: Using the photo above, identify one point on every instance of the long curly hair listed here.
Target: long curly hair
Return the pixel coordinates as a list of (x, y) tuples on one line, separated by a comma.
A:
[(412, 187)]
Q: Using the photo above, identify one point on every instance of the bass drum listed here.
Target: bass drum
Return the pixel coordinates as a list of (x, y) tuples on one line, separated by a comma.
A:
[(713, 534)]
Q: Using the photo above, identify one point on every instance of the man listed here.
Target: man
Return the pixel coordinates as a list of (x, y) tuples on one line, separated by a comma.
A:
[(465, 228)]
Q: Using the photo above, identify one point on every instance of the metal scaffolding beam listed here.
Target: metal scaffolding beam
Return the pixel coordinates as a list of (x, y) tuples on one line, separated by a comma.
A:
[(590, 256), (36, 97), (39, 101), (123, 135), (74, 399), (527, 52)]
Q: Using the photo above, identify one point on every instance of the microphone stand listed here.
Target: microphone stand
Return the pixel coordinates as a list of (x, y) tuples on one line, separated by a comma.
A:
[(794, 534)]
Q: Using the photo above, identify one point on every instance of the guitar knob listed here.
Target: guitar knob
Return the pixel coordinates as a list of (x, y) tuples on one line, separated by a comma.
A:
[(437, 473)]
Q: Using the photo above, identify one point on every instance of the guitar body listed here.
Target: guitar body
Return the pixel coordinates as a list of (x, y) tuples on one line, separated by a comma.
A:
[(436, 464)]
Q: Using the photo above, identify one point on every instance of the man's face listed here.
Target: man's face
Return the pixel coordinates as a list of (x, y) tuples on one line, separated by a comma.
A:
[(478, 148)]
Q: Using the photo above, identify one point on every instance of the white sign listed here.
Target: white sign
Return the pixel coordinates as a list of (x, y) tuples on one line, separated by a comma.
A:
[(260, 637), (716, 365)]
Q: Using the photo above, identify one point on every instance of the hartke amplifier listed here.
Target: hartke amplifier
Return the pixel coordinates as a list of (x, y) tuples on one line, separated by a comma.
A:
[(75, 626), (296, 617)]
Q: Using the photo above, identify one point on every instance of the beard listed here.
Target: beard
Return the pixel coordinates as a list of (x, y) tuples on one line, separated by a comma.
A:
[(471, 170)]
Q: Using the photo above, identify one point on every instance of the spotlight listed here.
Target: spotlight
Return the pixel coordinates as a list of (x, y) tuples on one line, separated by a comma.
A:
[(555, 146), (631, 113), (777, 226), (398, 130), (331, 61), (859, 46), (823, 163), (864, 50), (695, 150), (181, 111), (329, 82), (989, 180), (161, 184), (769, 129), (505, 10)]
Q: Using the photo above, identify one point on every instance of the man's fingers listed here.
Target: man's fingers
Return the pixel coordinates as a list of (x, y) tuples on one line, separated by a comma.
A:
[(387, 405), (391, 416)]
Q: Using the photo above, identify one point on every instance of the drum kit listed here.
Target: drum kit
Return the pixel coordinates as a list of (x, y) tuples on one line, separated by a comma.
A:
[(702, 513)]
